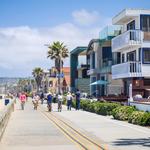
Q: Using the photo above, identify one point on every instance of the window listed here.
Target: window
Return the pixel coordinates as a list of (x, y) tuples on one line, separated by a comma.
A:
[(131, 25), (145, 23), (131, 56), (123, 59), (146, 55)]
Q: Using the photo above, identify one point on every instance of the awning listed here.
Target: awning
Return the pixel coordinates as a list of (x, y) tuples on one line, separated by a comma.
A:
[(100, 82)]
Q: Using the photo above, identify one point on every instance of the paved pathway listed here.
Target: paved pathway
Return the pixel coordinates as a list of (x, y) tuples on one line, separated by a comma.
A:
[(115, 134), (30, 130)]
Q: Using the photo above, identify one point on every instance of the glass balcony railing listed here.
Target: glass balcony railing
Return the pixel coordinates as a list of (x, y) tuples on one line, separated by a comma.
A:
[(126, 70), (126, 39), (109, 32)]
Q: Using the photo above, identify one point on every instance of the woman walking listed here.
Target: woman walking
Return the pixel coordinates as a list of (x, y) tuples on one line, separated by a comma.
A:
[(22, 99)]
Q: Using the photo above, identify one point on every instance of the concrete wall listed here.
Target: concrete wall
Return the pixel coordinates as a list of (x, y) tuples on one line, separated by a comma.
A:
[(141, 106), (5, 115)]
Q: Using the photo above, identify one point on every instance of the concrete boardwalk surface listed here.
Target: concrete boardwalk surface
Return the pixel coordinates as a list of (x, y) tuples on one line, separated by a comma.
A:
[(117, 135), (30, 130)]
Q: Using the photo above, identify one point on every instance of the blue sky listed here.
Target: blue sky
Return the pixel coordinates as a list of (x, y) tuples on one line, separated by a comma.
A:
[(26, 25), (39, 13)]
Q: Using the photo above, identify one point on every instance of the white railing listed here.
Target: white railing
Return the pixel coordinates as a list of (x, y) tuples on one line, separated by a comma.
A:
[(126, 70), (129, 38)]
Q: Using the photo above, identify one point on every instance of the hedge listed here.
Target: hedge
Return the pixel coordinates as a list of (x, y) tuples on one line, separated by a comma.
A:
[(102, 108), (123, 112), (140, 118)]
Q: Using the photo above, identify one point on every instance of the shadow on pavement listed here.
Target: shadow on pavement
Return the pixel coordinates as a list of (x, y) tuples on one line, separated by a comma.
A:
[(139, 141)]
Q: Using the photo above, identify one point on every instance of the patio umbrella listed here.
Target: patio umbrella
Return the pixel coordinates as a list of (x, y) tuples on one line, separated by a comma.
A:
[(100, 82)]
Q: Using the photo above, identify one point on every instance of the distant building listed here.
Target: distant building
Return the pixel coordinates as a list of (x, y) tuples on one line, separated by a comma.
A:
[(79, 78), (131, 51), (52, 79)]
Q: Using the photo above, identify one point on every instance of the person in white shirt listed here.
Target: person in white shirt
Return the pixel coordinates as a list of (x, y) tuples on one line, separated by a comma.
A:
[(69, 101)]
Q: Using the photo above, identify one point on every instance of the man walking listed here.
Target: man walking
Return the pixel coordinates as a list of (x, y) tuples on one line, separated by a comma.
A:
[(78, 94)]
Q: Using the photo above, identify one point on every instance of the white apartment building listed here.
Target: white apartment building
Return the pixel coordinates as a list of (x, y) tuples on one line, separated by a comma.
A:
[(131, 51)]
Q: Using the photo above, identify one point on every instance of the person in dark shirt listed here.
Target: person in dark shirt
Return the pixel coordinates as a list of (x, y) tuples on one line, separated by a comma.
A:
[(78, 94), (49, 101)]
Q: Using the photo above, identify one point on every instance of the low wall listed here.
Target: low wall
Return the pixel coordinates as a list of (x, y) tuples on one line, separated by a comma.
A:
[(141, 106), (4, 116)]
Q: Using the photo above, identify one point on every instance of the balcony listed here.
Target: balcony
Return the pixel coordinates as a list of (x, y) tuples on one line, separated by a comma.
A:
[(92, 71), (127, 39), (82, 66), (127, 70)]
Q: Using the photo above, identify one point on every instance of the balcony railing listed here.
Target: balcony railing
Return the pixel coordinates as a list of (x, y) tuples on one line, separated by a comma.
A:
[(127, 39), (127, 70)]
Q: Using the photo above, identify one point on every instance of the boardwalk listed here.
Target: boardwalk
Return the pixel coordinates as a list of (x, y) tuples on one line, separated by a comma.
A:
[(30, 130), (34, 130)]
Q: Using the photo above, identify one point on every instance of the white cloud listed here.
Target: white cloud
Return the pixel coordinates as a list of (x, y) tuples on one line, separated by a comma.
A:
[(84, 17), (22, 48)]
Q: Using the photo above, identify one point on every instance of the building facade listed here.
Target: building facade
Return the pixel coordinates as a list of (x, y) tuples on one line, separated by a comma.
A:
[(79, 78), (99, 58), (131, 51)]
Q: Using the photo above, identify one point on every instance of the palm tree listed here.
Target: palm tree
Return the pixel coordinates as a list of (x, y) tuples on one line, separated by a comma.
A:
[(38, 75), (58, 52)]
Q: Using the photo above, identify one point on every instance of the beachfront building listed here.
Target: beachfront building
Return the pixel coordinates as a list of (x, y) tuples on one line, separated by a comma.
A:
[(79, 78), (50, 80), (99, 58), (131, 51)]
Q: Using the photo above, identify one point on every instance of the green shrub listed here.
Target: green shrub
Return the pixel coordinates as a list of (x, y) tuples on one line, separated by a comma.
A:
[(105, 108), (140, 118), (123, 112)]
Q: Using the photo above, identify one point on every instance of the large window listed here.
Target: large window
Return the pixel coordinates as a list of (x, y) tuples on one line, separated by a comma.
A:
[(145, 23), (146, 55)]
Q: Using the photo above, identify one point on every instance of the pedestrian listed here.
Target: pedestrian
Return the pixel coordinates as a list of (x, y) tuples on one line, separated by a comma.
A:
[(69, 101), (42, 97), (78, 94), (35, 101), (22, 99), (54, 98), (60, 99), (49, 101)]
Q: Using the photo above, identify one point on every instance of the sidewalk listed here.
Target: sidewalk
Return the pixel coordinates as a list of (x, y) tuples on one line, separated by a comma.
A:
[(116, 134), (30, 130)]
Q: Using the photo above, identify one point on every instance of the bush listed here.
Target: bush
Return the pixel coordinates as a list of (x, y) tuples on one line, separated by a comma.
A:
[(140, 118), (105, 108), (123, 112)]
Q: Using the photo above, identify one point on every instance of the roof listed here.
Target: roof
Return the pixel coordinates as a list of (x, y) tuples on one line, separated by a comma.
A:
[(78, 50), (128, 14), (91, 42)]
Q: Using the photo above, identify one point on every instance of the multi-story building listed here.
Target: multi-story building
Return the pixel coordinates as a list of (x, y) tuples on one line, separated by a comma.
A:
[(50, 80), (131, 51), (79, 78), (99, 58)]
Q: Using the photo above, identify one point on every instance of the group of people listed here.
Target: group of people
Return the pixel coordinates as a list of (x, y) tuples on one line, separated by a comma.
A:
[(51, 98)]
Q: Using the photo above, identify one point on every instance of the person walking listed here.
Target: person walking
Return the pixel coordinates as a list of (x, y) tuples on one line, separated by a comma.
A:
[(42, 97), (69, 101), (35, 101), (49, 101), (78, 94), (22, 99), (60, 99)]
